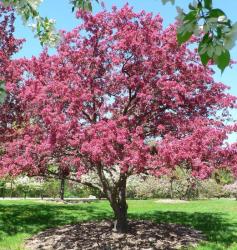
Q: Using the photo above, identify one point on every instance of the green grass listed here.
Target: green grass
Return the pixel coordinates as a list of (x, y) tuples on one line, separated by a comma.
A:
[(217, 219)]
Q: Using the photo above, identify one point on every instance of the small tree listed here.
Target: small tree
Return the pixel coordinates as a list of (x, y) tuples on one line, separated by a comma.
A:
[(26, 185), (23, 185), (2, 188), (10, 187), (50, 188), (117, 82)]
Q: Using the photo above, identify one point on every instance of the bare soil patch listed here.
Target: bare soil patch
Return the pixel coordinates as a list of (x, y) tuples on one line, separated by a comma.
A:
[(99, 235)]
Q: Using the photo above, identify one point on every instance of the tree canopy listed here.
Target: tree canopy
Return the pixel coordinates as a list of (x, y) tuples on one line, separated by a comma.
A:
[(120, 97)]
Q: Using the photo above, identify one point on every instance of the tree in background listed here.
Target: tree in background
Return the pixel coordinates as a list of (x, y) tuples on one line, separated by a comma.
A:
[(231, 189), (2, 187), (8, 45), (117, 82)]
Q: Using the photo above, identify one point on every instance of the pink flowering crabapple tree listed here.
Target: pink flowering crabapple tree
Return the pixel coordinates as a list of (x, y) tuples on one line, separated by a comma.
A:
[(120, 97)]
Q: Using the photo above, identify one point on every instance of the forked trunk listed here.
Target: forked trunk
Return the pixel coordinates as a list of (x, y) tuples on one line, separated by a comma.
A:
[(116, 195), (120, 207)]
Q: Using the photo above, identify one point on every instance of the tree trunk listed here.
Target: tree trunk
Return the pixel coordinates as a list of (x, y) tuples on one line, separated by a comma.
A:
[(171, 189), (116, 195), (120, 207), (11, 189), (62, 188), (121, 221)]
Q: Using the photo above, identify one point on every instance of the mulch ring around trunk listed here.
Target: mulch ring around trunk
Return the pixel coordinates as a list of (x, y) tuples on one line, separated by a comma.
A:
[(99, 235)]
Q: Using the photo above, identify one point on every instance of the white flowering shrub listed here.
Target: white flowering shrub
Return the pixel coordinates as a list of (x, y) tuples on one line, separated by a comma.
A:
[(231, 189), (25, 185), (146, 187)]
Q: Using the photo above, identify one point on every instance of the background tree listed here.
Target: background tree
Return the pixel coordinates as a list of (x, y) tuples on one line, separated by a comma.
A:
[(231, 189), (2, 187), (8, 46), (117, 82)]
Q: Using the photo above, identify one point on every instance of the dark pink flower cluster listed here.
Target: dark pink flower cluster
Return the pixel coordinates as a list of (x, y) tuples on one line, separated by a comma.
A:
[(119, 92)]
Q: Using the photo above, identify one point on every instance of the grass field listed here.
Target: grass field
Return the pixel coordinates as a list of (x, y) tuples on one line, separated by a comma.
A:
[(217, 219)]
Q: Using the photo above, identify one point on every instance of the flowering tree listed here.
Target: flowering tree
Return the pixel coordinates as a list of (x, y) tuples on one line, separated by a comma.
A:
[(8, 44), (118, 82)]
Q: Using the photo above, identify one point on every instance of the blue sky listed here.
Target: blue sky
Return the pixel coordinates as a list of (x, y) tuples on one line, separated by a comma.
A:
[(60, 10)]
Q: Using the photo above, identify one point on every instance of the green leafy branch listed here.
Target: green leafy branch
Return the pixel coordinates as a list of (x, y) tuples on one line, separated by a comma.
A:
[(43, 27), (218, 33)]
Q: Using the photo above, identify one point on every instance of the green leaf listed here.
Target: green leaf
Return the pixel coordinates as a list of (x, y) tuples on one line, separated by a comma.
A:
[(218, 50), (223, 60), (88, 6), (229, 42), (204, 42), (210, 51), (219, 32), (203, 48), (82, 4), (191, 16), (163, 1), (204, 58), (27, 15), (199, 5), (183, 37), (208, 4), (216, 13), (191, 7), (2, 92)]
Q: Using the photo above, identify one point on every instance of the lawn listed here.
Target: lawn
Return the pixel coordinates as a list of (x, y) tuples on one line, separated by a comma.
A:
[(217, 219)]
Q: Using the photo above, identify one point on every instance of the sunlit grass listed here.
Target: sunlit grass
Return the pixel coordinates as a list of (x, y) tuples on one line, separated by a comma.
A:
[(217, 219)]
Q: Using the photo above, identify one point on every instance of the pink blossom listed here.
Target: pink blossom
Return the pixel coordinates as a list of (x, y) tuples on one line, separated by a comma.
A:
[(119, 81)]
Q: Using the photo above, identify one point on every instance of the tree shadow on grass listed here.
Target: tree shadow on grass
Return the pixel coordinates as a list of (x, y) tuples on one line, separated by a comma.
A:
[(214, 226), (35, 217), (32, 218)]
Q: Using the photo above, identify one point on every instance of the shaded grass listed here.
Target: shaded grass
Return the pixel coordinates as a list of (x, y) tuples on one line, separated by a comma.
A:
[(21, 219), (217, 219)]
